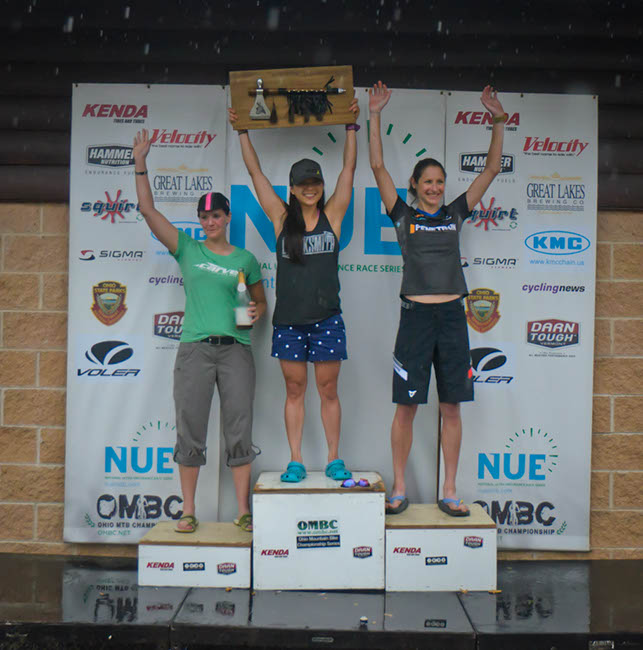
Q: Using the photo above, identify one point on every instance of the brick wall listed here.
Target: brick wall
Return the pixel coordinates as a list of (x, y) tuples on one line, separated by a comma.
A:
[(33, 333)]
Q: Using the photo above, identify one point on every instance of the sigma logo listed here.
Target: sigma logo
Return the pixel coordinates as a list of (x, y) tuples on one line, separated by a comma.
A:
[(535, 146), (474, 163), (87, 255), (169, 325), (126, 113), (470, 541), (552, 333), (275, 552), (407, 550), (484, 117), (363, 551), (226, 568), (161, 566), (174, 138), (557, 242), (438, 560), (485, 361), (109, 155), (496, 263), (105, 354), (194, 566)]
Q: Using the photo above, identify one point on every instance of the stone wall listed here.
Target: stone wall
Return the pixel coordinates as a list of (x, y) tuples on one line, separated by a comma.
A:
[(33, 339)]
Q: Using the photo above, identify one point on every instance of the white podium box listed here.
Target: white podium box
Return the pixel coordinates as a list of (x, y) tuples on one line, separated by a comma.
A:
[(316, 534), (427, 550), (216, 555)]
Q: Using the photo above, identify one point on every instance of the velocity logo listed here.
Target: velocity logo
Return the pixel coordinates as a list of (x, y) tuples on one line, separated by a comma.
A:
[(535, 146)]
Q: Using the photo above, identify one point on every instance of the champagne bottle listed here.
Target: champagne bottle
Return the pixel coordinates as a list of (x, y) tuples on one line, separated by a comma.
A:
[(241, 316)]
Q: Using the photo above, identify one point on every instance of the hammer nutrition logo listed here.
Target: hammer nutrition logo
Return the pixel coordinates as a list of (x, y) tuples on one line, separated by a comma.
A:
[(536, 146), (118, 113), (115, 156), (474, 163)]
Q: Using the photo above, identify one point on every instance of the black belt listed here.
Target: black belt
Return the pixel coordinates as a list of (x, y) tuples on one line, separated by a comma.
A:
[(219, 340)]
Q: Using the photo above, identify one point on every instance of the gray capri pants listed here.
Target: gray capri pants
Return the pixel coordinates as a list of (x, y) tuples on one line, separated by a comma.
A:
[(198, 367)]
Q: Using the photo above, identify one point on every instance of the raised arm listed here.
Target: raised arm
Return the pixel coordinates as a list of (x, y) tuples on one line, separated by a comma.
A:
[(492, 167), (164, 231), (378, 97), (338, 203), (272, 205)]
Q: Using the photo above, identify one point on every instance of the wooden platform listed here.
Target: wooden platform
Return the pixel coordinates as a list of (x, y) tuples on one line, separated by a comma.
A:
[(428, 515), (207, 534), (315, 483), (292, 78)]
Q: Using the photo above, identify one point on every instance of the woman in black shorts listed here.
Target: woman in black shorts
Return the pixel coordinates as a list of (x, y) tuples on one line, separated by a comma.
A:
[(433, 325), (307, 322)]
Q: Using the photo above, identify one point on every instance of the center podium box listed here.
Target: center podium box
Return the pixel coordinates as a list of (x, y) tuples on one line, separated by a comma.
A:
[(215, 555), (318, 535)]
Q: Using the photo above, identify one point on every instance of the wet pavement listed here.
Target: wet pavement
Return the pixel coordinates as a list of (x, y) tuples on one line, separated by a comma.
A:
[(49, 602)]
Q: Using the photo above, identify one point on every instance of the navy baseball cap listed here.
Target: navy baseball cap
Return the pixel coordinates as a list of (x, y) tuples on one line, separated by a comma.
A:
[(213, 201), (304, 169)]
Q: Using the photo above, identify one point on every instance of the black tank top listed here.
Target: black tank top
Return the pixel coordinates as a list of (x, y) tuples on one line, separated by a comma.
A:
[(308, 292)]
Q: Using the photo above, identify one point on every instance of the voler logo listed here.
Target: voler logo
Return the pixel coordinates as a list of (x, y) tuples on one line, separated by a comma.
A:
[(474, 163), (438, 560), (471, 541), (552, 333), (493, 218), (226, 568), (126, 113), (363, 551), (193, 566), (484, 361), (482, 309), (275, 552), (407, 550), (105, 354), (162, 566), (536, 146), (169, 325), (110, 155)]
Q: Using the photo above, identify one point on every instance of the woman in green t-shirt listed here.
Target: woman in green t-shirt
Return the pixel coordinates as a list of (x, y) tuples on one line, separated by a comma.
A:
[(212, 350)]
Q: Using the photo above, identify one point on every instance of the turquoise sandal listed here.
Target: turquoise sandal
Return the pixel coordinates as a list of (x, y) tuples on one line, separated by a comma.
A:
[(295, 473), (336, 470)]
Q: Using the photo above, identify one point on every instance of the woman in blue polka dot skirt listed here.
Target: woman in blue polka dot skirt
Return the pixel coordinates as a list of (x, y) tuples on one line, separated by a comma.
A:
[(307, 321)]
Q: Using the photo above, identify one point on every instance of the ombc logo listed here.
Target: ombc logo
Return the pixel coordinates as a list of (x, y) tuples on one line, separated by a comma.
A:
[(483, 117), (110, 155), (520, 513), (471, 541), (194, 566), (474, 163), (553, 333), (149, 506), (547, 146), (407, 550), (115, 110), (226, 568), (275, 552), (557, 242), (162, 566), (363, 551), (317, 525)]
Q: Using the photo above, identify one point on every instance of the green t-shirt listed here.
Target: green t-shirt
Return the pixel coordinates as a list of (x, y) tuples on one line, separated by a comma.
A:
[(210, 284)]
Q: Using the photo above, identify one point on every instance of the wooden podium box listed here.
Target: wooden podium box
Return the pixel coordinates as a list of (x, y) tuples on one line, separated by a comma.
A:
[(318, 535), (215, 555), (242, 101), (427, 550)]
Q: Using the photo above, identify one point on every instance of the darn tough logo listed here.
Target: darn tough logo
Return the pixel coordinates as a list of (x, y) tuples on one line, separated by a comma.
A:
[(407, 550), (473, 542), (226, 568), (275, 552), (554, 147), (483, 117), (115, 110), (163, 566), (363, 551)]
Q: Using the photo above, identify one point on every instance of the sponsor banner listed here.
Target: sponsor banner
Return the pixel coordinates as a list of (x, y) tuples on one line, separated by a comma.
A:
[(126, 306), (318, 533), (531, 278)]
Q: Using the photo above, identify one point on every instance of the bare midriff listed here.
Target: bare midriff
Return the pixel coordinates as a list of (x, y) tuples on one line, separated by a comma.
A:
[(434, 298)]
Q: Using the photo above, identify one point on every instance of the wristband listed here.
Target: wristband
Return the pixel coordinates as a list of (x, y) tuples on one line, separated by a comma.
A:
[(501, 119), (141, 173), (353, 127), (241, 131)]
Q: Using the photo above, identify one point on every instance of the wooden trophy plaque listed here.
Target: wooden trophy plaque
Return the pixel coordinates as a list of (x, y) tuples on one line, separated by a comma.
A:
[(268, 99)]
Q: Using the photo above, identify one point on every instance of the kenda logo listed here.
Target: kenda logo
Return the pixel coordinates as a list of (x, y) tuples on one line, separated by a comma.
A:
[(275, 552), (548, 147), (557, 242), (163, 566), (407, 550), (483, 117), (115, 111)]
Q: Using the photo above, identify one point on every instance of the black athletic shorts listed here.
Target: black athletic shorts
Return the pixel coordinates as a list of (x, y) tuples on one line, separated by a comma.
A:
[(432, 334)]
